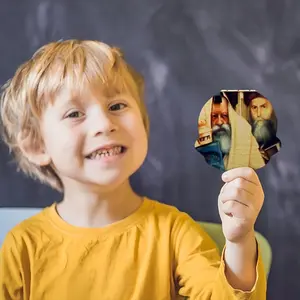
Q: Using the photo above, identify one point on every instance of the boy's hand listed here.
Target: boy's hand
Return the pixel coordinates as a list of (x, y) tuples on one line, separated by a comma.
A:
[(240, 201)]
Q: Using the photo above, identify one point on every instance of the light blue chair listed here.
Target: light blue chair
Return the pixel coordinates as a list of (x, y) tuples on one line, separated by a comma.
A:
[(9, 217)]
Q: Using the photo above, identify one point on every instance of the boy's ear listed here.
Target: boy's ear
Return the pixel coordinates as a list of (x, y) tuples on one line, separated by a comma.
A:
[(35, 153)]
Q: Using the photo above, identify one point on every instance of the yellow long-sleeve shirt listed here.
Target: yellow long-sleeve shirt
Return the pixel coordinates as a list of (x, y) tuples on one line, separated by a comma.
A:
[(156, 253)]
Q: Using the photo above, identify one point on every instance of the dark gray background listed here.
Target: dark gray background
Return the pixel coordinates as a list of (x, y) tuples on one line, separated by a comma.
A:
[(188, 51)]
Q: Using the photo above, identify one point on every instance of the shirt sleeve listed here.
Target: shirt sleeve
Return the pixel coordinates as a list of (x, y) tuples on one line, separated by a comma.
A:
[(199, 269), (11, 287)]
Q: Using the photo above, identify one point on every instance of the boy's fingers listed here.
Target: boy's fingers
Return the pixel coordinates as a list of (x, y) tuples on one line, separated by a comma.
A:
[(235, 209), (240, 183), (237, 195), (224, 198), (245, 172)]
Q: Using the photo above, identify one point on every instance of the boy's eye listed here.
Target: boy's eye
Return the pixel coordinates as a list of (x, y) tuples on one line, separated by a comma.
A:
[(75, 114), (117, 106)]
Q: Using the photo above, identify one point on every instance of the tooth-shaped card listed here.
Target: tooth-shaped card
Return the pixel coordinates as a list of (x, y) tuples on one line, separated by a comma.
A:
[(237, 128)]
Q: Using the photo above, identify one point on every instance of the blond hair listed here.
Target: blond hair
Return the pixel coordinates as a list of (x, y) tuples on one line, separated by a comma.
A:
[(73, 64)]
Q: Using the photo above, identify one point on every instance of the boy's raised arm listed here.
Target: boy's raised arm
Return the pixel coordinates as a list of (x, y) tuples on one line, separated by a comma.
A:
[(240, 274), (202, 274)]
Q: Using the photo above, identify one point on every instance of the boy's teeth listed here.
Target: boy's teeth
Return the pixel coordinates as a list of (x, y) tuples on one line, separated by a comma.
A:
[(107, 152)]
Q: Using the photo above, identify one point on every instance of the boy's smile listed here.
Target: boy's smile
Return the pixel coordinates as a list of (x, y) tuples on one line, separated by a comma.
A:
[(107, 153)]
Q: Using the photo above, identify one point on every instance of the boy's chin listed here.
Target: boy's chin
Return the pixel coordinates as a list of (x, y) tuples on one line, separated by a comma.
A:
[(108, 182)]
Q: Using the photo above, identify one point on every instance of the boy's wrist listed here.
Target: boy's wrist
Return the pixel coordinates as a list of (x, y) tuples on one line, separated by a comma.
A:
[(244, 241), (244, 249), (240, 262)]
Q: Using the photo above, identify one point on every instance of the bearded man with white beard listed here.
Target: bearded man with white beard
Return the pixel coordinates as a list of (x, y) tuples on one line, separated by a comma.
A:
[(225, 138)]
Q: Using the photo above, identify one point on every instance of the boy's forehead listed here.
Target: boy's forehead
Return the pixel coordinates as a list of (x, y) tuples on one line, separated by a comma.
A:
[(88, 93)]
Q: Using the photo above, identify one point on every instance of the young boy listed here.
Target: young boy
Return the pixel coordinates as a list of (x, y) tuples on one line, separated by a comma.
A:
[(74, 117)]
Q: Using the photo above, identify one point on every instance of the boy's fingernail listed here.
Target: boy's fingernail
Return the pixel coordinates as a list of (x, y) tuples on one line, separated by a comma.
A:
[(225, 176)]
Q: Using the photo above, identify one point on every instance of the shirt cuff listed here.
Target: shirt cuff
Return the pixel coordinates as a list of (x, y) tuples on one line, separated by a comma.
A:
[(258, 290)]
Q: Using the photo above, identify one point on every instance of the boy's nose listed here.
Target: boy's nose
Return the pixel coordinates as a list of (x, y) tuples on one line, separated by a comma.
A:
[(102, 124)]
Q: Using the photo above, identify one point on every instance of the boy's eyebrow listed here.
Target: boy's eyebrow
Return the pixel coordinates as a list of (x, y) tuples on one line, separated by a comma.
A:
[(75, 99), (67, 100), (121, 96)]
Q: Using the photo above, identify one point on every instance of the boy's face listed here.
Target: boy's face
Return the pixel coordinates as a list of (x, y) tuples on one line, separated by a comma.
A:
[(94, 140)]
